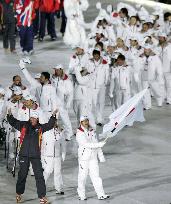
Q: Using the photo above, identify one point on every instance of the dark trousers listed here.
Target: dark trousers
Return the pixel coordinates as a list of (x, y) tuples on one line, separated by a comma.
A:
[(50, 17), (64, 20), (26, 38), (36, 23), (9, 36), (38, 172)]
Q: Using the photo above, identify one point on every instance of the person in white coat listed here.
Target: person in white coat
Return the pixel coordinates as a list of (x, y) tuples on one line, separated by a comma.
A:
[(64, 91), (46, 96), (79, 58), (88, 153), (2, 101), (53, 152), (13, 104), (63, 86), (120, 82), (75, 32), (164, 50), (82, 94), (99, 76), (152, 76)]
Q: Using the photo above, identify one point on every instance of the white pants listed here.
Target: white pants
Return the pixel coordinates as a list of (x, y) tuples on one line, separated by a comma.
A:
[(90, 167), (167, 77), (51, 165), (98, 103), (156, 89), (66, 122)]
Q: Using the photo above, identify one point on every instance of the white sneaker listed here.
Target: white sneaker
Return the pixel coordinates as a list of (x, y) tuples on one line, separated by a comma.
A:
[(103, 197), (82, 198), (31, 52)]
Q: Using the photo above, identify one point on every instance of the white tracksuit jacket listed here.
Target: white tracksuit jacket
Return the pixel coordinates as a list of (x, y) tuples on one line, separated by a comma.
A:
[(120, 85), (165, 56), (99, 76), (53, 151), (88, 154), (48, 101), (64, 90), (81, 97), (152, 77)]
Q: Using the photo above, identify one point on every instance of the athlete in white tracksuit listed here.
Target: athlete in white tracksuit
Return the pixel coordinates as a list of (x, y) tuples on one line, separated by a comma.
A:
[(13, 104), (47, 98), (53, 152), (164, 50), (64, 91), (88, 153), (99, 76), (120, 82), (79, 59), (81, 96), (75, 32), (2, 103), (152, 76)]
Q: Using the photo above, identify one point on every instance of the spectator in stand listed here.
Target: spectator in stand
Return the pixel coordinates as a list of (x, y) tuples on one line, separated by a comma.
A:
[(8, 24), (47, 12), (25, 15)]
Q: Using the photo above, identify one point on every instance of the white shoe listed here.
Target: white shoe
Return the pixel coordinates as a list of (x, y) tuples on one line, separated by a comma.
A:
[(31, 52), (25, 53), (103, 197), (82, 198)]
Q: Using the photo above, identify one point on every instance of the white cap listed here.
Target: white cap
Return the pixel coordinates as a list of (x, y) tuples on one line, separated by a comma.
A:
[(17, 90), (97, 49), (28, 97), (37, 76), (147, 46), (2, 91), (81, 46), (59, 66), (34, 114), (82, 118), (162, 35)]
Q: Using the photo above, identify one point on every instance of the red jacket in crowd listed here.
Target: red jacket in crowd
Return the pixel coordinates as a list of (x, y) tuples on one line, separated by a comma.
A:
[(49, 6)]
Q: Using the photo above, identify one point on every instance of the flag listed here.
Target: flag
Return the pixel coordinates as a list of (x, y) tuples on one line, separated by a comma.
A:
[(127, 114), (26, 16)]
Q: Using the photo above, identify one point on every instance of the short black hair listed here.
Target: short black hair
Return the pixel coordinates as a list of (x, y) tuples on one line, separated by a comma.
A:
[(121, 57), (100, 44), (46, 75), (124, 11), (166, 15), (15, 77), (96, 52)]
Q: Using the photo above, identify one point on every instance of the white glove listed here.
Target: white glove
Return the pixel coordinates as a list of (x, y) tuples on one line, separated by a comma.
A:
[(102, 159), (101, 144), (27, 60), (22, 64), (63, 156), (67, 106)]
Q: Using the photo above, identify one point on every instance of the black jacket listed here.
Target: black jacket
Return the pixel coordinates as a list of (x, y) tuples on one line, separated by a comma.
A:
[(8, 12), (30, 146)]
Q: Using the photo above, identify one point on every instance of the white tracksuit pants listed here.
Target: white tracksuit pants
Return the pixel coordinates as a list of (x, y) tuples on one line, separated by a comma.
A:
[(156, 89), (167, 77), (98, 103), (53, 164), (90, 167)]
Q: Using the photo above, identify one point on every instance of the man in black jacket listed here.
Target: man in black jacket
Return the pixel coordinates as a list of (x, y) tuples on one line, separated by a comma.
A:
[(8, 24), (30, 146)]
